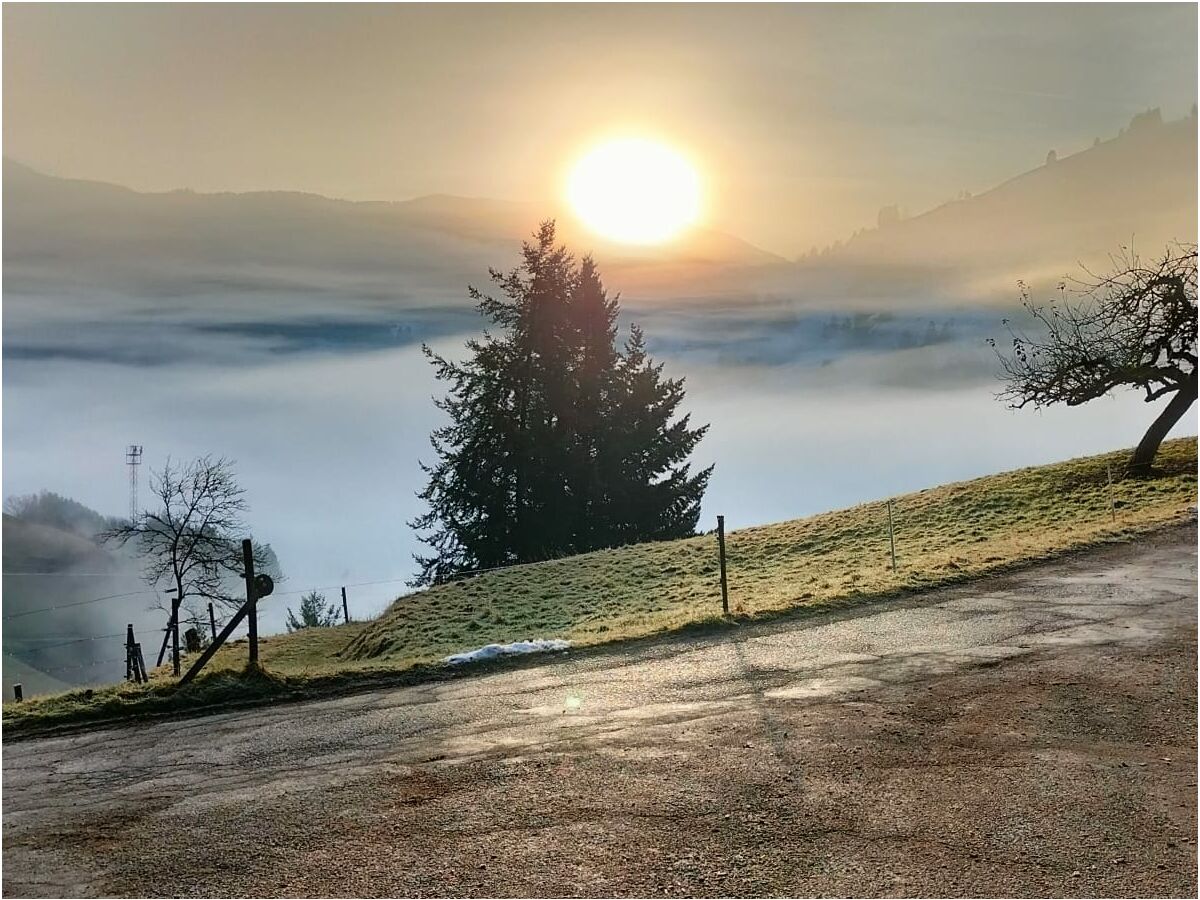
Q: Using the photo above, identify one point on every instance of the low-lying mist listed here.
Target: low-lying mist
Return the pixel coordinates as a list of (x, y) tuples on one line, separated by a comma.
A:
[(327, 418)]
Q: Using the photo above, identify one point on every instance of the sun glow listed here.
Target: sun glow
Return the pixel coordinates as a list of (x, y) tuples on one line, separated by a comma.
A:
[(635, 191)]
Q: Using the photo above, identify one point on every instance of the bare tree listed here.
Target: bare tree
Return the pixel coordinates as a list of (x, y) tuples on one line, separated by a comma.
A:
[(1135, 327), (193, 540)]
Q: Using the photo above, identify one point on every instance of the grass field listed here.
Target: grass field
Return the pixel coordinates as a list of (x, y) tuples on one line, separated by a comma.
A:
[(943, 535)]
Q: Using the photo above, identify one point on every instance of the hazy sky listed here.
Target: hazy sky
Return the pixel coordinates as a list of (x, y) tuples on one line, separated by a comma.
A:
[(805, 118)]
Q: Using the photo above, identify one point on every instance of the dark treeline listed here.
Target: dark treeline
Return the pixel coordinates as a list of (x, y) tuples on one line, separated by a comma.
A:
[(57, 511), (559, 440)]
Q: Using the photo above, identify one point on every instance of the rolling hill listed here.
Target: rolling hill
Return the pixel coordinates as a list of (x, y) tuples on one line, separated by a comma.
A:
[(1136, 190)]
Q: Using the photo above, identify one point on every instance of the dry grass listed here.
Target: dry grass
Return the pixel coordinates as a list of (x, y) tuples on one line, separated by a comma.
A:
[(310, 651), (943, 535)]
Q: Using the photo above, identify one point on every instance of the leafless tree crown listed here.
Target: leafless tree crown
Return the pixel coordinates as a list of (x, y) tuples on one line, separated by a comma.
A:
[(192, 540), (1135, 327)]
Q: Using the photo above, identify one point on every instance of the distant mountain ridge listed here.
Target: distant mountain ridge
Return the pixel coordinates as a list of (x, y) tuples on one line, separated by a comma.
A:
[(85, 236), (94, 230), (1135, 190)]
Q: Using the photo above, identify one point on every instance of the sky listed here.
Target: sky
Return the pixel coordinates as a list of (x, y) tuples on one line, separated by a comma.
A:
[(804, 119)]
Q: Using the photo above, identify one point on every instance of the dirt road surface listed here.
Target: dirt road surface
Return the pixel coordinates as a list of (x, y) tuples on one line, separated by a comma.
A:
[(1031, 734)]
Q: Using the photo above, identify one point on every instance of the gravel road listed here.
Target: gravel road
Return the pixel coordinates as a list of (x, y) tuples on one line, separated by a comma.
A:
[(1030, 734)]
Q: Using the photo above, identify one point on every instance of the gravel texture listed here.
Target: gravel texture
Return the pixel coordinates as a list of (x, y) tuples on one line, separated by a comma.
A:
[(1028, 735)]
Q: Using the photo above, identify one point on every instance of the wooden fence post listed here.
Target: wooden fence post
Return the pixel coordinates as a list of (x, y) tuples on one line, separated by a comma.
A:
[(141, 662), (17, 692), (135, 670), (173, 630), (721, 551), (1112, 500), (212, 622), (251, 610), (345, 608), (175, 639), (162, 651), (892, 535), (234, 621)]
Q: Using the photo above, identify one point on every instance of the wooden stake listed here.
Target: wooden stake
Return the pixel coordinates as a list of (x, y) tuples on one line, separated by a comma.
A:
[(212, 622), (135, 669), (212, 648), (17, 692), (251, 611), (892, 535), (1112, 500), (345, 608), (141, 662), (175, 633), (721, 549), (162, 651)]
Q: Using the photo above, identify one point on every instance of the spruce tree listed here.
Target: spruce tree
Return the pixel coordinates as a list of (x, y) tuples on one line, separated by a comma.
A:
[(315, 612), (652, 496), (557, 442), (592, 315)]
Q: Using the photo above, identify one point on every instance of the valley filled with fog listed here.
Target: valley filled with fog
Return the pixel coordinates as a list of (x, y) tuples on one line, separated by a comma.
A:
[(284, 331), (327, 419)]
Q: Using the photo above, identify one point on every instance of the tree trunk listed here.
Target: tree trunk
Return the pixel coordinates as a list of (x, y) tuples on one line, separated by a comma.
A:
[(1143, 456)]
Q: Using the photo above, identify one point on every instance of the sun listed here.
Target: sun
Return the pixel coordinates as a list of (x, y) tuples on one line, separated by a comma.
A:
[(635, 191)]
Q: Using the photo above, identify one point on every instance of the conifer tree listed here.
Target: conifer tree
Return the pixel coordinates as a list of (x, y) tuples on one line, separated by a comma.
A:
[(557, 442), (652, 496), (593, 320), (315, 612)]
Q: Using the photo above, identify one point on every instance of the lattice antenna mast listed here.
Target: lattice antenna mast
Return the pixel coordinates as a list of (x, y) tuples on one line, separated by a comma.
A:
[(133, 459)]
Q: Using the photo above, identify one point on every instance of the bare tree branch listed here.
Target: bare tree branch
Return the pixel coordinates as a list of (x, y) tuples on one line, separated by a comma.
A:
[(1135, 327), (192, 541)]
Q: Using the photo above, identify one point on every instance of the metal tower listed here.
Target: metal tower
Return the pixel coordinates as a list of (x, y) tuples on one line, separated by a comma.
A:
[(133, 459)]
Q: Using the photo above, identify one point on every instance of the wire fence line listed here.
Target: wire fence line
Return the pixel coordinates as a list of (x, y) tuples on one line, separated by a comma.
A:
[(72, 574), (72, 641), (47, 637), (458, 575), (122, 635), (334, 587), (82, 640), (53, 642), (87, 665), (462, 573), (330, 587), (44, 609)]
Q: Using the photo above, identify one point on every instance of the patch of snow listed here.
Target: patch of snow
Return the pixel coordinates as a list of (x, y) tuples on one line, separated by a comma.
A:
[(494, 651)]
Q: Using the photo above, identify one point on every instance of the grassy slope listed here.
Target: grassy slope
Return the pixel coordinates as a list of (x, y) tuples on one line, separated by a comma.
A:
[(943, 535)]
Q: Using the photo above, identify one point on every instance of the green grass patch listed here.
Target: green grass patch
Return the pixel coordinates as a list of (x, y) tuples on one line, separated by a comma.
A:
[(944, 535)]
